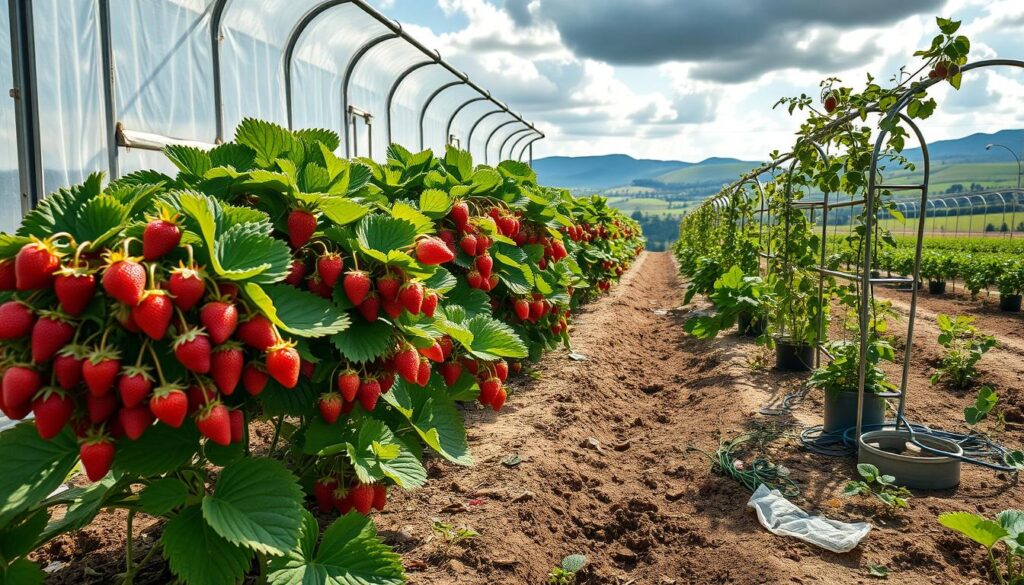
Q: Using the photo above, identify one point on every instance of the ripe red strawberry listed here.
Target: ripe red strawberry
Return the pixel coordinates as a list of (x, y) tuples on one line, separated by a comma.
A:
[(330, 407), (411, 297), (283, 363), (471, 364), (451, 371), (484, 265), (393, 308), (348, 385), (134, 385), (297, 273), (460, 215), (16, 320), (301, 226), (423, 374), (499, 400), (124, 278), (200, 395), (329, 267), (448, 237), (153, 313), (135, 421), (361, 497), (101, 408), (447, 347), (254, 379), (468, 244), (75, 287), (237, 420), (323, 492), (357, 286), (482, 244), (67, 366), (490, 283), (35, 264), (501, 370), (369, 393), (380, 496), (186, 286), (433, 251), (49, 335), (226, 365), (558, 250), (429, 304), (123, 314), (258, 333), (387, 287), (52, 409), (489, 388), (214, 423), (97, 455), (407, 364), (473, 279), (342, 502), (169, 405), (387, 380), (370, 307), (160, 236), (433, 353), (536, 310), (522, 309), (8, 278), (220, 319), (192, 348)]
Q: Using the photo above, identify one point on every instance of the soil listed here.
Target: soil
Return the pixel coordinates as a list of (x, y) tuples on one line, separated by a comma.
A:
[(595, 456)]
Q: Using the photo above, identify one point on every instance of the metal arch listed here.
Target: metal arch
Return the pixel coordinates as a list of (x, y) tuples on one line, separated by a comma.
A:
[(528, 144), (430, 99), (451, 119), (109, 104), (346, 80), (472, 129), (1003, 199), (501, 148), (216, 19), (512, 149), (487, 143), (398, 82), (26, 106)]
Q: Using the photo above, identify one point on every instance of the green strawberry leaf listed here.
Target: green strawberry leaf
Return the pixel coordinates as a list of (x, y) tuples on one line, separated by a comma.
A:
[(31, 468), (493, 339), (982, 531), (257, 504), (162, 496), (296, 311), (83, 504), (189, 159), (378, 235), (350, 553), (375, 454), (159, 450), (22, 572), (269, 141), (435, 203), (342, 210), (364, 342), (198, 555)]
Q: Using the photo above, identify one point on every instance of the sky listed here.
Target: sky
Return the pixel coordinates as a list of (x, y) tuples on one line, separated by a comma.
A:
[(692, 79)]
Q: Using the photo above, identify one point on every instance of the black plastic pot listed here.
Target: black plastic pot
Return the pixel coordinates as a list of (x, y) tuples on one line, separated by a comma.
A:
[(751, 326), (841, 411), (1009, 303), (937, 287), (793, 357)]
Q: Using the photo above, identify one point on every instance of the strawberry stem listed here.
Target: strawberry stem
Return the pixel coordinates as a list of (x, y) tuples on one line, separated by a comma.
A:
[(78, 252), (145, 346), (156, 362)]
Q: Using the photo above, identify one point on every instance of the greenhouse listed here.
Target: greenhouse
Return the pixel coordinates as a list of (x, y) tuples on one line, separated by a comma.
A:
[(287, 298)]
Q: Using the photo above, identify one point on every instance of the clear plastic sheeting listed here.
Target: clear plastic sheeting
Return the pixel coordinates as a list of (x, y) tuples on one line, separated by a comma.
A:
[(409, 99), (149, 69), (322, 56), (10, 183), (440, 110), (468, 117), (255, 33), (69, 92)]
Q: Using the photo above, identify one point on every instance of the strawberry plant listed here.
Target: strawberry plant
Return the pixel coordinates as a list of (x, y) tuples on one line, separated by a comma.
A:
[(964, 348), (1006, 562), (354, 302)]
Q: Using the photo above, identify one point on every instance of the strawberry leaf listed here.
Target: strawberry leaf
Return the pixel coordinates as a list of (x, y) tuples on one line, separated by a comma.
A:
[(162, 496), (100, 219), (32, 468), (159, 450), (364, 342), (341, 210), (83, 504), (190, 160), (269, 141), (244, 252), (435, 418), (435, 203), (257, 505), (22, 572), (296, 311), (378, 235), (349, 554), (198, 555), (493, 339), (375, 454)]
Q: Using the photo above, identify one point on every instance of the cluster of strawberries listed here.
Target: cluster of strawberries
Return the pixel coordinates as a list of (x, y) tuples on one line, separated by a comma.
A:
[(63, 375), (331, 494)]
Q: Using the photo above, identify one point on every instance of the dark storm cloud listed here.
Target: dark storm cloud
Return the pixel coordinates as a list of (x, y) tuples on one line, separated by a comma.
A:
[(731, 40), (519, 10)]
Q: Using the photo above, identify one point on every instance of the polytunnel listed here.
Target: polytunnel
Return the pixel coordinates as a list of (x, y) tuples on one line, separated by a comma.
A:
[(155, 72)]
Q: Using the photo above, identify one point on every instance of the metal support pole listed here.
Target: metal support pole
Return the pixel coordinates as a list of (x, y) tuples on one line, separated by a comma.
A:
[(398, 82), (451, 119), (109, 108), (487, 143), (528, 145), (426, 105), (501, 147), (346, 80), (216, 19), (512, 149), (26, 108)]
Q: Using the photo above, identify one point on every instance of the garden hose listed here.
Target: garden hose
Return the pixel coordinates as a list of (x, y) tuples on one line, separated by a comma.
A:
[(759, 471)]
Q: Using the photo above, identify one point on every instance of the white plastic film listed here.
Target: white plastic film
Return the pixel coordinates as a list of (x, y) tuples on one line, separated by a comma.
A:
[(10, 182)]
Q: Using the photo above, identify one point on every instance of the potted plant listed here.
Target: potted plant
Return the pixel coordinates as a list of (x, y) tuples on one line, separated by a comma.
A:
[(795, 324), (1010, 283), (839, 380), (737, 299), (937, 267)]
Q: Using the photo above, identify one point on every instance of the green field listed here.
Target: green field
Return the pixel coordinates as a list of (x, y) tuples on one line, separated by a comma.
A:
[(950, 225), (725, 172), (649, 205)]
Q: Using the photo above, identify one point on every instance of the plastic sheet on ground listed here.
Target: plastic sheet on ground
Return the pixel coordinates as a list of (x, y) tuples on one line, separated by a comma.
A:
[(782, 517)]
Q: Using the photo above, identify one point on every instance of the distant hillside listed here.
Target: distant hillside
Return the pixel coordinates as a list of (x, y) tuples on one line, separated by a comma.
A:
[(711, 170), (972, 148), (599, 172)]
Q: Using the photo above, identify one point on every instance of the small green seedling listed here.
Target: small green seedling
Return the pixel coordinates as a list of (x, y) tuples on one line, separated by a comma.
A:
[(565, 573), (881, 487), (965, 347), (983, 406), (452, 535), (878, 571), (1006, 562)]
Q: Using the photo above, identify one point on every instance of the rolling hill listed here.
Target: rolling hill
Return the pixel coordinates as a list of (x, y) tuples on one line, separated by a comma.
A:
[(599, 172)]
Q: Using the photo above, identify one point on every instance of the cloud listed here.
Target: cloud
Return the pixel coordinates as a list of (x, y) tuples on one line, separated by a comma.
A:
[(732, 40)]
